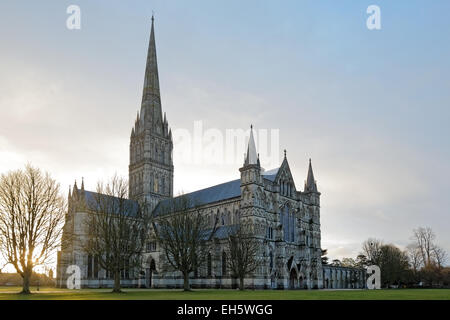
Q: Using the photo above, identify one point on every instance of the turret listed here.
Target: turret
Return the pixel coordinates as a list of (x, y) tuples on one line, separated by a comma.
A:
[(311, 187), (251, 179), (69, 199), (75, 191), (82, 194), (251, 171)]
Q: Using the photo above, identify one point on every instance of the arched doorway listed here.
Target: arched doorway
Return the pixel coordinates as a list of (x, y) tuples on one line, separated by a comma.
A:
[(149, 273), (293, 280), (273, 281), (301, 281)]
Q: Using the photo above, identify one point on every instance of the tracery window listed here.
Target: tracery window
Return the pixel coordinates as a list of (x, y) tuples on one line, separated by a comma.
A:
[(209, 262), (89, 265), (224, 263), (271, 260), (155, 185)]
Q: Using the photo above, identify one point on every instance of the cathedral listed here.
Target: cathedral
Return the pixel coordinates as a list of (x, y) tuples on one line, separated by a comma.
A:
[(286, 221)]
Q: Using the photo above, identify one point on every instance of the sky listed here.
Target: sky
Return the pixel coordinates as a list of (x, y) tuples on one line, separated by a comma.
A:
[(369, 107)]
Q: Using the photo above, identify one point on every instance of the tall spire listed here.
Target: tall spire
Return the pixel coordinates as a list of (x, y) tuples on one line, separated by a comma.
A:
[(151, 144), (252, 157), (151, 80), (310, 184)]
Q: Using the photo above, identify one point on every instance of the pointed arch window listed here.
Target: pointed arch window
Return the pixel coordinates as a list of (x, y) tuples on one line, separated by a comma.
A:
[(155, 185), (217, 217), (285, 224), (96, 267), (89, 265), (271, 260), (224, 263), (291, 227), (209, 262)]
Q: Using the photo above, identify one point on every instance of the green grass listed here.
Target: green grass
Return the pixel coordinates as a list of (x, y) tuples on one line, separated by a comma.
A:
[(12, 293)]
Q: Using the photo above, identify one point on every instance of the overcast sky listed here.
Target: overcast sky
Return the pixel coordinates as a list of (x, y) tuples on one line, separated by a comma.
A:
[(371, 108)]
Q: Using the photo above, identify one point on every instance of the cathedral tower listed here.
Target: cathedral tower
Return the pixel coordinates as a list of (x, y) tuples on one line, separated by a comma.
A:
[(151, 146), (251, 180)]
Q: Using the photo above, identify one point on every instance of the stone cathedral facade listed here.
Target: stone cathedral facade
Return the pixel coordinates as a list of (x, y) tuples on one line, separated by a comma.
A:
[(286, 220)]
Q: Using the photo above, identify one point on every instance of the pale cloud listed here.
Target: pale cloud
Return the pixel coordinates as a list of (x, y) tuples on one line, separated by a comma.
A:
[(211, 101)]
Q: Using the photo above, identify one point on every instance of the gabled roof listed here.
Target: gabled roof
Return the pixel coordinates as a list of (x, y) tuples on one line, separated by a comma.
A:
[(221, 232), (94, 202), (284, 168), (270, 174), (227, 190)]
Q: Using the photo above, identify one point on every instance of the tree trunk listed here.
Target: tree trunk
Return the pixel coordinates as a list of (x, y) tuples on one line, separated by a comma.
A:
[(26, 283), (117, 282), (241, 283), (186, 286)]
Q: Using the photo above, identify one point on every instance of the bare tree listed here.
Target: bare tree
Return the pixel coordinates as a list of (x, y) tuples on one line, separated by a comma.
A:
[(117, 229), (424, 239), (439, 255), (372, 250), (32, 212), (181, 231), (242, 249), (414, 257)]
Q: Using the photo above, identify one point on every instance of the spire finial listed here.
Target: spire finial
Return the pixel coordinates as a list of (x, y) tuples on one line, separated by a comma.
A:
[(153, 16), (251, 157), (310, 185), (285, 153)]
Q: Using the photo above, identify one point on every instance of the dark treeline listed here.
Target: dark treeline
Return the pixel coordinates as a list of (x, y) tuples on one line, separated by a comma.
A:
[(37, 279), (420, 264)]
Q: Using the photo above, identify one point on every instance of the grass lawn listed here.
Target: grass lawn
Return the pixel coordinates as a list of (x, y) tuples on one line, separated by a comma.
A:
[(11, 293)]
